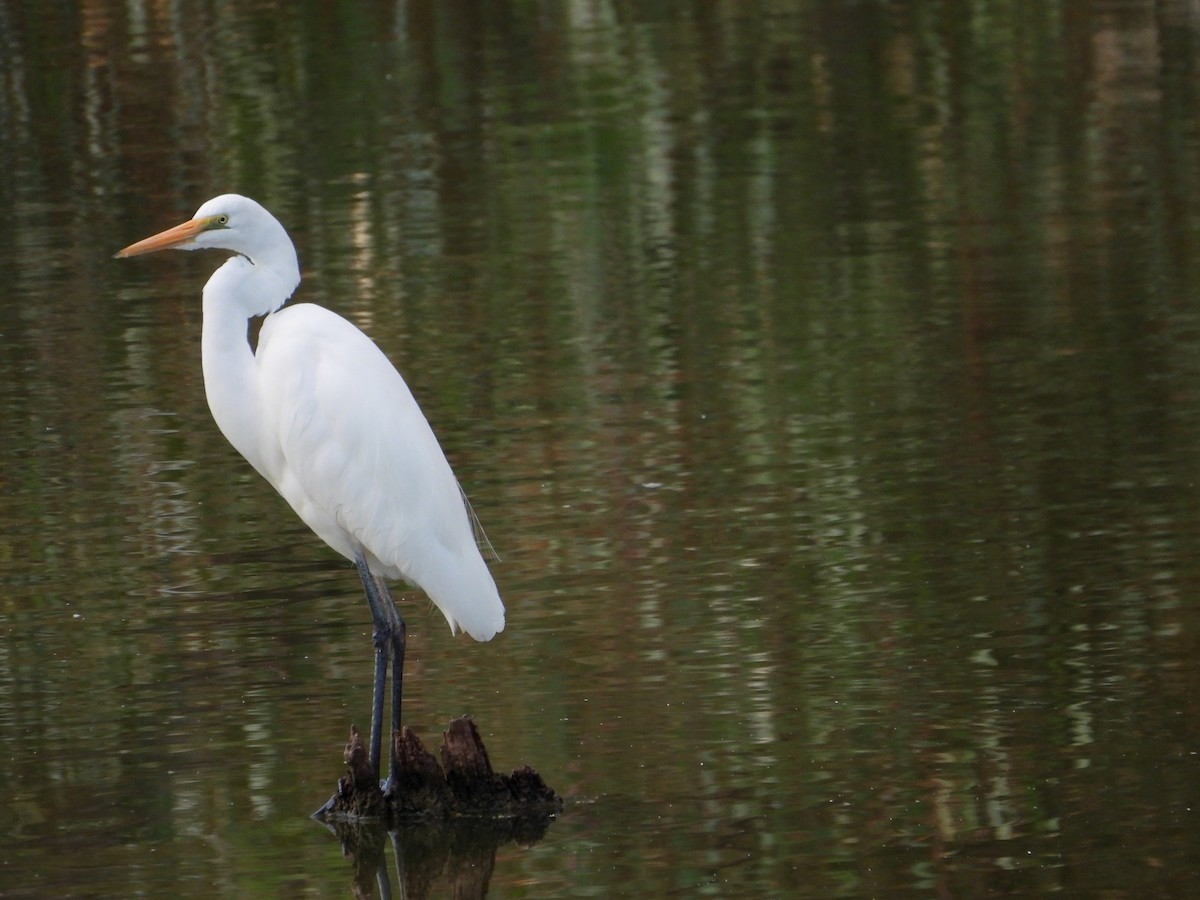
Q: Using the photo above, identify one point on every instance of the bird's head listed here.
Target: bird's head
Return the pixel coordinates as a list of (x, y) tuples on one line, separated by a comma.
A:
[(229, 222), (238, 224)]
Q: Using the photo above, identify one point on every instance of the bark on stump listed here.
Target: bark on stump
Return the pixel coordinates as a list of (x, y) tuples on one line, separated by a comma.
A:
[(463, 785)]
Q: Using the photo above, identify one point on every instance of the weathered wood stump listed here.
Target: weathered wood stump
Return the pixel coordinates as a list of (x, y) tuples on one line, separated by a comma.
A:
[(462, 785), (444, 820)]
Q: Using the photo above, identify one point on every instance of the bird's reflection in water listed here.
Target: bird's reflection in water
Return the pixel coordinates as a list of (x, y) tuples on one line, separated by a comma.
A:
[(460, 852)]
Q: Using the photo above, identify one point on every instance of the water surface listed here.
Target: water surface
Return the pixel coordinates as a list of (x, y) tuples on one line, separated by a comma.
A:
[(825, 375)]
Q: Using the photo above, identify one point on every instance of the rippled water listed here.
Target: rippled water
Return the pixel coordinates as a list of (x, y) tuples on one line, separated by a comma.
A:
[(824, 376)]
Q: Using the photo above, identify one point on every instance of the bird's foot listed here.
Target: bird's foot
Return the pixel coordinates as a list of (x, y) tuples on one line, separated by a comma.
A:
[(326, 809)]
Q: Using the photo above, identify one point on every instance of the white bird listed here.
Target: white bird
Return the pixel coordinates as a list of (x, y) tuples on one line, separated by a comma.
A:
[(323, 415)]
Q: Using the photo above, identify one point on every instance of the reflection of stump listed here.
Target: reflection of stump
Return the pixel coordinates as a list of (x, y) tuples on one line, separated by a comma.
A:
[(421, 789), (445, 819)]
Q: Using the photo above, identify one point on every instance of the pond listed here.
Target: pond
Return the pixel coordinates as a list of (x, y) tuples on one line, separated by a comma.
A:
[(825, 376)]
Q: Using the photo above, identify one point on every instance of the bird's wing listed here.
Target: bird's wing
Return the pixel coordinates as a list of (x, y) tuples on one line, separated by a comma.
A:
[(362, 467)]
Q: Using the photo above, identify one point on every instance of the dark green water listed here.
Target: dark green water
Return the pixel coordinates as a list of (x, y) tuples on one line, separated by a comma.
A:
[(826, 375)]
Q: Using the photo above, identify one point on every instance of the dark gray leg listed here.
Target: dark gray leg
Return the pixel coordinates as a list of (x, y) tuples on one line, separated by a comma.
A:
[(399, 638), (381, 638), (389, 635)]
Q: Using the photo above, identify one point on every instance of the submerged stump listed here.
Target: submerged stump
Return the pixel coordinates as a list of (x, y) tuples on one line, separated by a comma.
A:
[(463, 784)]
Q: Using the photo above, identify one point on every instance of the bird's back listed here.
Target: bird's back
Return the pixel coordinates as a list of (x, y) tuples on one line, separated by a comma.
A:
[(350, 450)]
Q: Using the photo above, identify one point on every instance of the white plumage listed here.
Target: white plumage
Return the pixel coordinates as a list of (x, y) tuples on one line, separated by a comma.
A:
[(377, 480), (323, 415)]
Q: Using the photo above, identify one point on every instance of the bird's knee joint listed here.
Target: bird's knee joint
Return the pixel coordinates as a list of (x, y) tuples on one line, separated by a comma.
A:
[(381, 635)]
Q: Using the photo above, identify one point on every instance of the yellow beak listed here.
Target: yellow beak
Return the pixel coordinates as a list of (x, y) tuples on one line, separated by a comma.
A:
[(165, 240)]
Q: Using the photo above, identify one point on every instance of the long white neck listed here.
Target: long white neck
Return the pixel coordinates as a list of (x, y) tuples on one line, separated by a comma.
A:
[(238, 290)]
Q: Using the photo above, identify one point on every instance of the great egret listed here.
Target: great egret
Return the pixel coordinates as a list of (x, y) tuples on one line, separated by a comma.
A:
[(323, 415)]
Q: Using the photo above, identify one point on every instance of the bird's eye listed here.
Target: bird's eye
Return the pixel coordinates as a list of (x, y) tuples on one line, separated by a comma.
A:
[(222, 220)]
